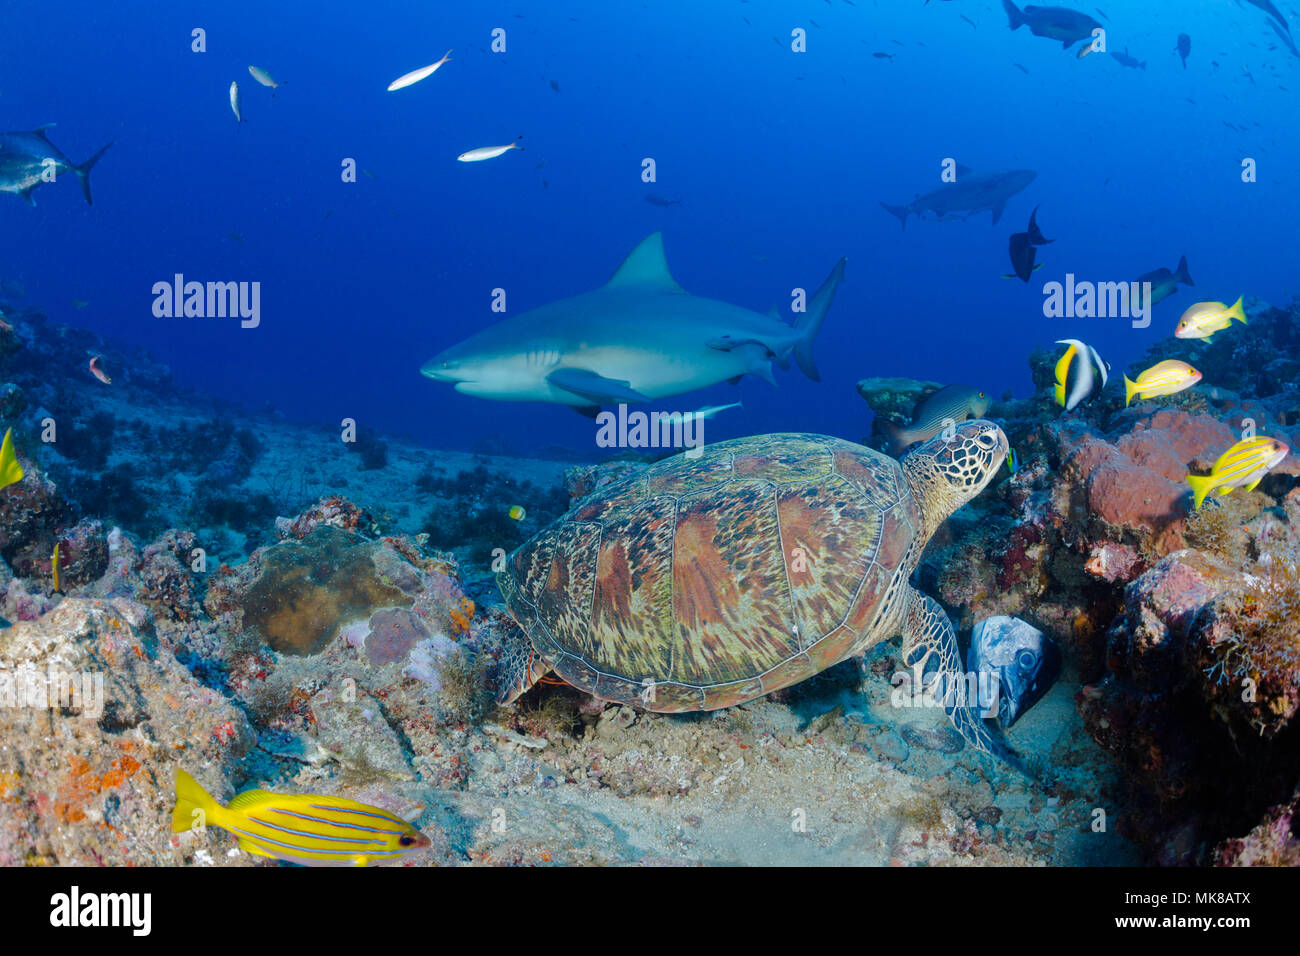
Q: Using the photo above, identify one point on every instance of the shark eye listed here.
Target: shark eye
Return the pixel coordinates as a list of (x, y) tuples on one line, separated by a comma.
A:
[(1025, 660)]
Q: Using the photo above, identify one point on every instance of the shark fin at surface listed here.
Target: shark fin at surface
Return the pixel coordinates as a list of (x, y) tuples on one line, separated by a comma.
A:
[(646, 268), (593, 387)]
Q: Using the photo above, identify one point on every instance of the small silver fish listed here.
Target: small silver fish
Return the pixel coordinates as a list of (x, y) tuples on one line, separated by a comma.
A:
[(234, 102), (708, 411), (415, 76), (486, 152), (263, 77)]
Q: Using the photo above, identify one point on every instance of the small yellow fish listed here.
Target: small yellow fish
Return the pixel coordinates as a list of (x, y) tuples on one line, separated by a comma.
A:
[(1203, 319), (10, 470), (517, 512), (1241, 466), (1164, 378), (54, 566), (308, 829)]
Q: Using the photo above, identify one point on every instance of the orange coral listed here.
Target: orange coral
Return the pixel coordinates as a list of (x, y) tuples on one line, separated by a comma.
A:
[(460, 618), (83, 783)]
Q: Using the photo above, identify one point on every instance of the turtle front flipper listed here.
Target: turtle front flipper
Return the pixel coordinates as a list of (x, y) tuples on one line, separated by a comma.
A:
[(930, 643), (519, 666)]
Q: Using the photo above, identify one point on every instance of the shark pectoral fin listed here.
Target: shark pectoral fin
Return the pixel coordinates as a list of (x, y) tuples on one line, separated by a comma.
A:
[(763, 369), (596, 388), (27, 194), (997, 211), (587, 411), (735, 379)]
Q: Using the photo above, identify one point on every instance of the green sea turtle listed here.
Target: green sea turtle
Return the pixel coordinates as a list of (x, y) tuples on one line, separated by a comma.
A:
[(704, 582)]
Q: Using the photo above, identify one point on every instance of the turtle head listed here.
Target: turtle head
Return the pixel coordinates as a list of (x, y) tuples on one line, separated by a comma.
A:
[(953, 467)]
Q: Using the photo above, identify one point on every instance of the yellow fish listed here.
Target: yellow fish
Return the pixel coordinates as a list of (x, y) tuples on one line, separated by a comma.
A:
[(54, 566), (308, 829), (1164, 378), (1241, 466), (517, 512), (1203, 319), (10, 470)]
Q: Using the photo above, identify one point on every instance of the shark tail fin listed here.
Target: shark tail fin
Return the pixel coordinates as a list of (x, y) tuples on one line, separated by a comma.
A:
[(1182, 275), (1016, 18), (83, 173), (810, 323), (899, 211)]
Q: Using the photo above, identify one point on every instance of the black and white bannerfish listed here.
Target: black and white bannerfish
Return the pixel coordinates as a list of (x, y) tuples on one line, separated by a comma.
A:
[(1080, 374), (1017, 659)]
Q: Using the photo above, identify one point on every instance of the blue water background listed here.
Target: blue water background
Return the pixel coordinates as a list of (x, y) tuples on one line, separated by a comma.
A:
[(780, 160)]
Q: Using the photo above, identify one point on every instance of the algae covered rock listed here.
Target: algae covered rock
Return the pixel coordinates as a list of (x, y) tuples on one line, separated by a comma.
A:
[(309, 588)]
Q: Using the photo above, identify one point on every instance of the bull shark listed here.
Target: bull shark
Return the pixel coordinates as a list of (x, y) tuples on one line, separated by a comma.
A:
[(28, 159), (971, 193), (638, 337), (1272, 11), (1054, 23)]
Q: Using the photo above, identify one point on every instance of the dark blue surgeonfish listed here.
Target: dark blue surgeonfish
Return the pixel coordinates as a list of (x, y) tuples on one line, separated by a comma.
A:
[(1165, 283), (28, 159), (1054, 23), (1022, 248), (1020, 661)]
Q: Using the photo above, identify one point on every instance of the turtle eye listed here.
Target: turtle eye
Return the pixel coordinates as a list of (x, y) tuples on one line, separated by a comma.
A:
[(1025, 660)]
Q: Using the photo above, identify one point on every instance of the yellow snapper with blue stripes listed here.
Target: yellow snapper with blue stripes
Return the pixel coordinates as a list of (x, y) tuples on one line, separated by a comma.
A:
[(1164, 378), (1203, 319), (10, 471), (308, 829), (1241, 466)]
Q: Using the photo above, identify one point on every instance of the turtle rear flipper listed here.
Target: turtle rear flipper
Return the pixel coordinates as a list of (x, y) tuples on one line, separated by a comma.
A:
[(930, 642)]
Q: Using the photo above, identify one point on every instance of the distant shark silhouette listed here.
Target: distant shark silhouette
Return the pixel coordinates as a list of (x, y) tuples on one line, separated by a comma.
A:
[(971, 193), (640, 336)]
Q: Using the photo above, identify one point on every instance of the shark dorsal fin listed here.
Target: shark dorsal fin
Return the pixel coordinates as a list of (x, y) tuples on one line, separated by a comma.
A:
[(964, 170), (645, 268)]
